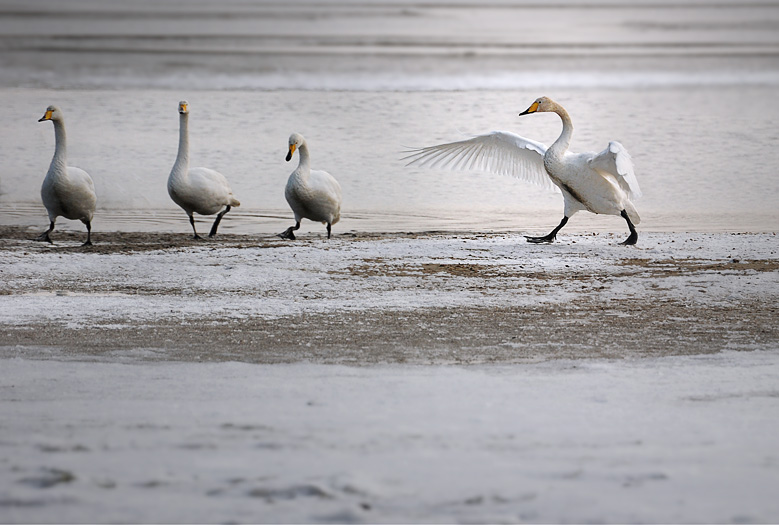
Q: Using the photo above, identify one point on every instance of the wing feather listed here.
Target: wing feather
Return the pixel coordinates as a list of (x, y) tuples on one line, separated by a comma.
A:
[(472, 153), (499, 152), (616, 160)]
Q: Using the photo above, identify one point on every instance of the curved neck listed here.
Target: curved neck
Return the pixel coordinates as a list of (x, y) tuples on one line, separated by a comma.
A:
[(560, 146), (60, 145), (183, 155), (305, 159)]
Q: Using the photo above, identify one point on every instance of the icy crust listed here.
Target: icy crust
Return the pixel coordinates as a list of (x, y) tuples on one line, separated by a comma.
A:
[(128, 434), (269, 279), (669, 440)]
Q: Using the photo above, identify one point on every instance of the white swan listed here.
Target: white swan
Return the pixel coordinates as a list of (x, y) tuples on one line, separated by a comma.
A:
[(66, 191), (599, 183), (313, 195), (197, 190)]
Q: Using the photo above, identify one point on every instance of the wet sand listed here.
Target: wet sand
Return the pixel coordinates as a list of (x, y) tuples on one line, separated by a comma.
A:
[(361, 299)]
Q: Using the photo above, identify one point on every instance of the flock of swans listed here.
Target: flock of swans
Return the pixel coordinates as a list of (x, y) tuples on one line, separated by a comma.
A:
[(602, 183)]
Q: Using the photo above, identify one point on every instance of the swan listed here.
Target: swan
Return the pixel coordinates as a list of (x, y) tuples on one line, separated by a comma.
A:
[(197, 190), (66, 191), (597, 182), (312, 194)]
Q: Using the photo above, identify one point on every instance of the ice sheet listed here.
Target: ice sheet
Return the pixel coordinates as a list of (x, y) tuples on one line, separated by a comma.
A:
[(681, 439)]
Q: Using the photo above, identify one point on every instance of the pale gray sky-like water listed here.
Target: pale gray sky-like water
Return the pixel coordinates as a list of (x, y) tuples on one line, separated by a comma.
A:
[(688, 88)]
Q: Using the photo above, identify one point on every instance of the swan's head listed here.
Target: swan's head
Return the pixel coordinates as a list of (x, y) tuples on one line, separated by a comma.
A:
[(295, 141), (52, 113), (183, 107), (540, 105)]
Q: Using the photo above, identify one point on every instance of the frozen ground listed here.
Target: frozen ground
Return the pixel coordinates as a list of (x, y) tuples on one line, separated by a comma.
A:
[(367, 298), (661, 440), (389, 378)]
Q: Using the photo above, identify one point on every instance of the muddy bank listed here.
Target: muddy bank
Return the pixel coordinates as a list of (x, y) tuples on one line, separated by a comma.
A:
[(429, 336), (386, 298)]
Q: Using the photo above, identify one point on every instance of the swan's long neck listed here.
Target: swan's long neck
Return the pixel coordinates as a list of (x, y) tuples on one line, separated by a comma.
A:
[(560, 146), (555, 155), (182, 159), (60, 159), (304, 166)]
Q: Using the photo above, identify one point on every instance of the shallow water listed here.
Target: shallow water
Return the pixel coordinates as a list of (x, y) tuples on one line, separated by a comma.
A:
[(690, 92), (701, 167), (376, 45)]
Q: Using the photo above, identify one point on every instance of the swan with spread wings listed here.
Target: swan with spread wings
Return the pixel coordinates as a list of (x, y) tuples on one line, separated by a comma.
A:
[(597, 182)]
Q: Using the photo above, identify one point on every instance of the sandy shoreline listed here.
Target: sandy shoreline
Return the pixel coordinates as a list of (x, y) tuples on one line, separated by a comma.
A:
[(387, 298)]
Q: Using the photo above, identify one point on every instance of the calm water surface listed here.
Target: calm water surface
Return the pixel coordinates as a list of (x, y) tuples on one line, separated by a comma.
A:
[(689, 89)]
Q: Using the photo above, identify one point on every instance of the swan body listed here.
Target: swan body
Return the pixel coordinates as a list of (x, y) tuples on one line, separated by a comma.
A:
[(312, 194), (66, 191), (596, 182), (197, 190)]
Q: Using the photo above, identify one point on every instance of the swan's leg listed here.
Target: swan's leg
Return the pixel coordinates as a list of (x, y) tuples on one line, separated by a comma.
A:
[(551, 236), (192, 222), (328, 229), (89, 234), (217, 221), (287, 234), (630, 241), (45, 235)]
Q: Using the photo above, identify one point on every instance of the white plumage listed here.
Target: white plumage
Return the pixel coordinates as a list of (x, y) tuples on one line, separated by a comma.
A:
[(312, 194), (197, 190), (66, 191), (600, 183)]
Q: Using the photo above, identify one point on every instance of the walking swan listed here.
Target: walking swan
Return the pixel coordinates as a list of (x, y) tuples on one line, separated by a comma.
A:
[(66, 191), (197, 190), (312, 194), (599, 183)]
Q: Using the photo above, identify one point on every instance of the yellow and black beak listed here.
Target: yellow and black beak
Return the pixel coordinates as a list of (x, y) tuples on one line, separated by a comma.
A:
[(47, 116), (291, 151), (532, 109), (182, 108)]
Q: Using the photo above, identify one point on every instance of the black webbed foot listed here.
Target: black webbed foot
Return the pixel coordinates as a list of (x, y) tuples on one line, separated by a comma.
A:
[(44, 237), (288, 234), (631, 240), (550, 237), (546, 239)]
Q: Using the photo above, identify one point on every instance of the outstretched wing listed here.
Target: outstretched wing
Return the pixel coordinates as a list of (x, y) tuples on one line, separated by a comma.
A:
[(498, 152), (616, 160)]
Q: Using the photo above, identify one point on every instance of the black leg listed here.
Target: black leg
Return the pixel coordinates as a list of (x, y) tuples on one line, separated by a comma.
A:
[(633, 239), (328, 229), (217, 221), (89, 234), (192, 222), (45, 235), (287, 234), (551, 236)]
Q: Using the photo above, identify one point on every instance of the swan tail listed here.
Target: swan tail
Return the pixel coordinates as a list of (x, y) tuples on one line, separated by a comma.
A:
[(234, 201)]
